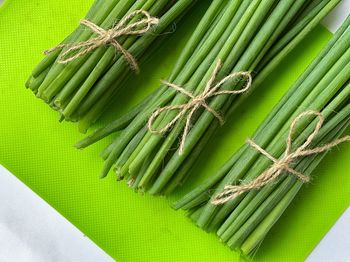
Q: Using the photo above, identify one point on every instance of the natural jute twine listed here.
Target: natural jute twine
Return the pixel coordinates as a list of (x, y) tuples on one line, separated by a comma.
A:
[(108, 37), (197, 101), (280, 165)]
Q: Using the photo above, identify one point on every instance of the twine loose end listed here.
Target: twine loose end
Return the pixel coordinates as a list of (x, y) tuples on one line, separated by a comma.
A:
[(107, 37)]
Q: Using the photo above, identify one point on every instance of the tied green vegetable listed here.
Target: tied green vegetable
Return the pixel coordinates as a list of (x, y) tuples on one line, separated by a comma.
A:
[(247, 36), (82, 86), (243, 222)]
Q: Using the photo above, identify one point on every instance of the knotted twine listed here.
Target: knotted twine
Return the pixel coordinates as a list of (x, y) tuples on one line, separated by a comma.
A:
[(108, 37), (283, 164), (196, 102)]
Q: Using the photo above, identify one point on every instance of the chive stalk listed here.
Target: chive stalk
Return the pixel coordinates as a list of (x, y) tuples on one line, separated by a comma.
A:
[(75, 89), (252, 36), (244, 222)]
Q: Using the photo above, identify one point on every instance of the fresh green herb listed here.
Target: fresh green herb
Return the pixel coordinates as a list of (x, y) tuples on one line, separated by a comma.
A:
[(244, 222), (251, 36), (77, 88)]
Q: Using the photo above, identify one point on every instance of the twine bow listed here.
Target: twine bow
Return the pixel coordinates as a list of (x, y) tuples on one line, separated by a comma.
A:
[(283, 164), (197, 101), (108, 37)]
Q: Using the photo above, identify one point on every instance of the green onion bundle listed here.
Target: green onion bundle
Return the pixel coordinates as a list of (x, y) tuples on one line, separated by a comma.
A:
[(251, 36), (243, 222), (80, 89)]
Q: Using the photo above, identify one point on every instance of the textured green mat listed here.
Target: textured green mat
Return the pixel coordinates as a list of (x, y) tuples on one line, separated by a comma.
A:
[(130, 227)]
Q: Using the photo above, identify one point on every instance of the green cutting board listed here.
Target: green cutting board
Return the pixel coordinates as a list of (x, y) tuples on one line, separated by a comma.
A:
[(130, 227)]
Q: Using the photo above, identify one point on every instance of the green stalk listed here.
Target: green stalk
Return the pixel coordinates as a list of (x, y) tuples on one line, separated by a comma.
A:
[(305, 25), (199, 79), (140, 120), (101, 66), (91, 115), (82, 88), (51, 58), (191, 65), (264, 135), (246, 207), (259, 165), (206, 118), (237, 233), (115, 126), (105, 18), (243, 34), (137, 49), (323, 56), (76, 71), (324, 87), (187, 202), (174, 134), (258, 79), (259, 233), (201, 29)]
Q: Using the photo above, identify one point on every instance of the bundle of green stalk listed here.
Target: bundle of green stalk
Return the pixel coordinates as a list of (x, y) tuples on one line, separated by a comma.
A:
[(250, 38), (228, 202), (80, 76)]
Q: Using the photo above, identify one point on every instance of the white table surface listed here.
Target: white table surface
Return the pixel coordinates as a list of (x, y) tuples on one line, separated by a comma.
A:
[(32, 231), (335, 246)]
